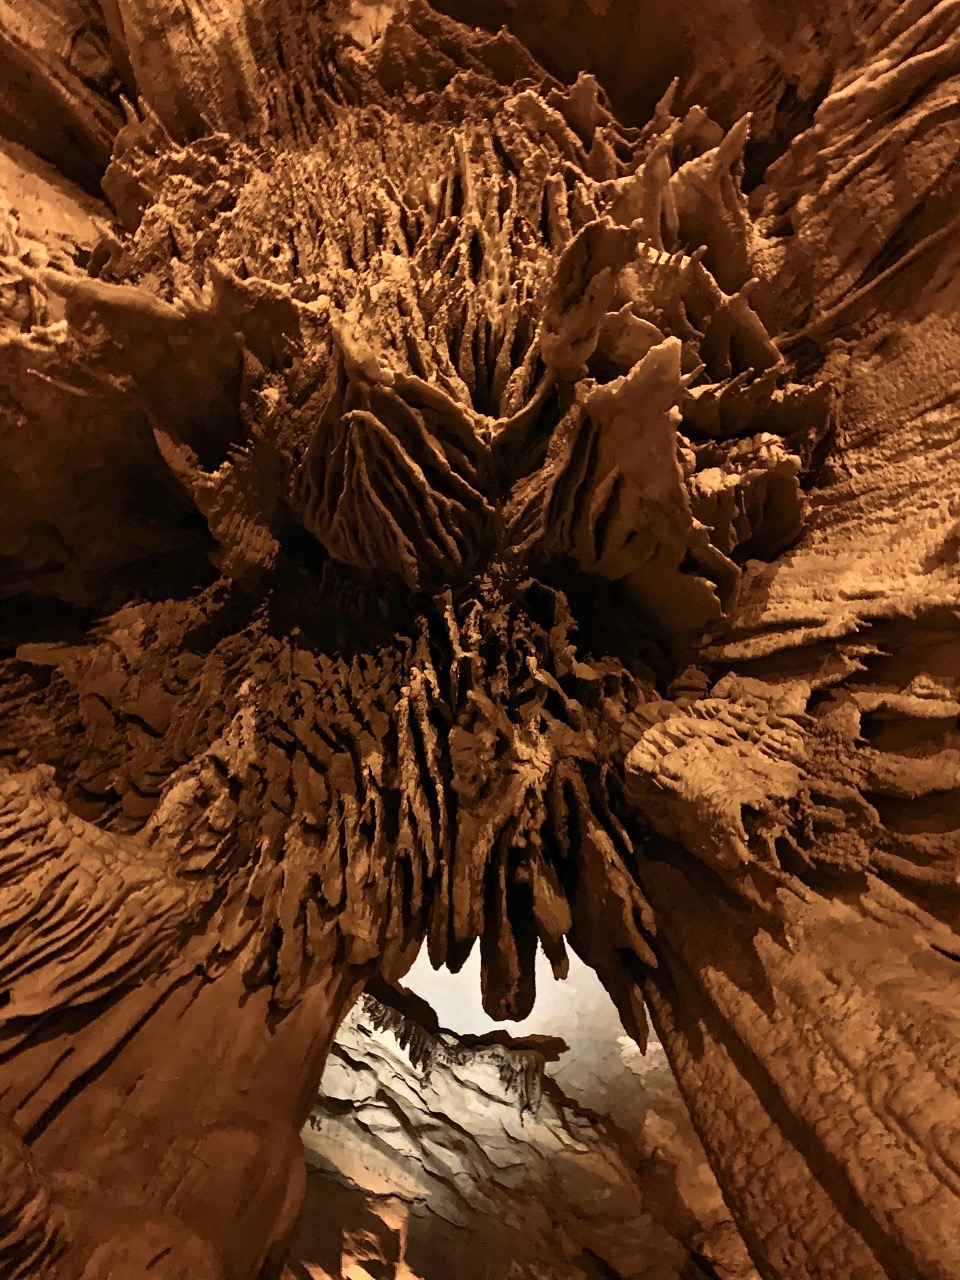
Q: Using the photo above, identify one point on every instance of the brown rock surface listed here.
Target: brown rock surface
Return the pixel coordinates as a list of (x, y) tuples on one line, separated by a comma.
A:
[(434, 509)]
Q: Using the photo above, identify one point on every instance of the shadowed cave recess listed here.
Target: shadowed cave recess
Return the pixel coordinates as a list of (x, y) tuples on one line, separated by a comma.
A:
[(479, 492)]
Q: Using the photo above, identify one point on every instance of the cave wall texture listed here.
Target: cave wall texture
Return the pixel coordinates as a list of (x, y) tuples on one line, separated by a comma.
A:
[(438, 509), (526, 1181), (504, 1155)]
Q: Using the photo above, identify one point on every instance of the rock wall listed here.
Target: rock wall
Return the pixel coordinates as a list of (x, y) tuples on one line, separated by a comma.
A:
[(438, 511), (429, 1154)]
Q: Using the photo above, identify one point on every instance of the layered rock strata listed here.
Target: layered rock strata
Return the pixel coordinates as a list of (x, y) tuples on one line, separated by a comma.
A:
[(430, 1155)]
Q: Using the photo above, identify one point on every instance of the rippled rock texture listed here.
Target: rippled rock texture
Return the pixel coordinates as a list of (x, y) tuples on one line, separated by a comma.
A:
[(435, 510)]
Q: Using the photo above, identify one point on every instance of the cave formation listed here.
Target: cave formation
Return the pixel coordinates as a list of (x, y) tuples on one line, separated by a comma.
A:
[(556, 1150), (477, 487)]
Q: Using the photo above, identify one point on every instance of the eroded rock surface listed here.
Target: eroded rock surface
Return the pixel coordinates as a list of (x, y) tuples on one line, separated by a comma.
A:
[(430, 1155), (435, 509)]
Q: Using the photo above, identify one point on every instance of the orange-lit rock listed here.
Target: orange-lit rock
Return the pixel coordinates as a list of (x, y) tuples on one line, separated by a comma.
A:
[(436, 510)]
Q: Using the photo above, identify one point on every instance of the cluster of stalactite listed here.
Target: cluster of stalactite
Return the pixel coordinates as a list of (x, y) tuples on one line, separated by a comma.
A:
[(415, 532), (447, 347)]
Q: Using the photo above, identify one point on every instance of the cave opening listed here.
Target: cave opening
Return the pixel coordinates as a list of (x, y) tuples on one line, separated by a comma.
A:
[(562, 1097)]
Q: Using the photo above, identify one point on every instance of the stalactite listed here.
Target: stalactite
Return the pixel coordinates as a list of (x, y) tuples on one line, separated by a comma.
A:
[(440, 512)]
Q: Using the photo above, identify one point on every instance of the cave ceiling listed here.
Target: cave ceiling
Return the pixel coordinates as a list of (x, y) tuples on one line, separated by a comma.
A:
[(477, 486)]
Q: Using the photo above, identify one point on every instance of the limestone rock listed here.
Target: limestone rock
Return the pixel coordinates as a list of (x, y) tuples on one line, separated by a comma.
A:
[(473, 1161), (438, 509)]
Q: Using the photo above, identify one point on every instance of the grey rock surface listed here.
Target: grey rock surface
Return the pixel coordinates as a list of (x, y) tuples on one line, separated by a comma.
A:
[(431, 1155)]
